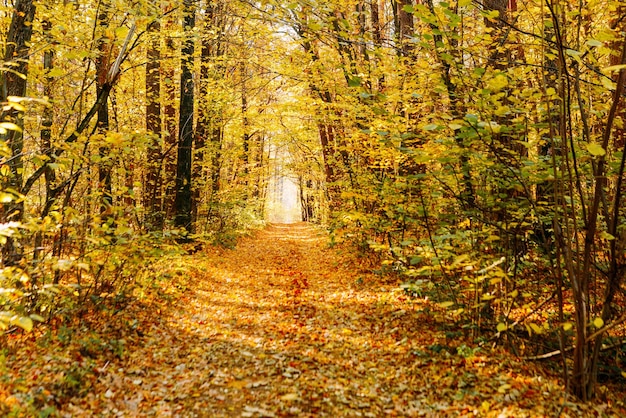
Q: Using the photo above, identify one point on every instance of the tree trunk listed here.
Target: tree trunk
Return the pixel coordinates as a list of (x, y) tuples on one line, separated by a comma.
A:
[(183, 200), (170, 121), (103, 62), (47, 119), (154, 181), (13, 83)]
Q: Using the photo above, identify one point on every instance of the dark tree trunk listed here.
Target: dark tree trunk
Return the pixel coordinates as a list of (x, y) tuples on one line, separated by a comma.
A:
[(13, 83), (153, 184), (183, 200), (102, 68)]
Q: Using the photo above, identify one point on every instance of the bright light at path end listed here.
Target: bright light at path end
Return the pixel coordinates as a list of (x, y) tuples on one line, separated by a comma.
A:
[(283, 204)]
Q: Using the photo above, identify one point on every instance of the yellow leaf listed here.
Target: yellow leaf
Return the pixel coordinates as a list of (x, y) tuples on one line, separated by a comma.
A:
[(598, 322), (485, 406), (596, 150), (501, 327), (615, 68), (497, 83), (504, 388), (607, 83), (446, 304), (6, 197), (10, 126), (23, 322), (567, 326), (289, 397), (536, 328)]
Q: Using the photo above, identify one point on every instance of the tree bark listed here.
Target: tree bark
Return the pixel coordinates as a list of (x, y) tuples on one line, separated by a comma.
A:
[(103, 62), (13, 83), (154, 180), (183, 200)]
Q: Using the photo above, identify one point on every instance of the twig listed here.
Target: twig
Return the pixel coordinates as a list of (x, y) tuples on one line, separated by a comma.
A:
[(606, 328), (497, 334), (568, 349)]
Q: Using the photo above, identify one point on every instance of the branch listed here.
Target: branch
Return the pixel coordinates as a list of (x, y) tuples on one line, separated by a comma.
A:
[(606, 328), (101, 100), (114, 71), (568, 349)]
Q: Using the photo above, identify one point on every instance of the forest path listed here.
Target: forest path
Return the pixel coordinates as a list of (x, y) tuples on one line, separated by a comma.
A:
[(282, 325)]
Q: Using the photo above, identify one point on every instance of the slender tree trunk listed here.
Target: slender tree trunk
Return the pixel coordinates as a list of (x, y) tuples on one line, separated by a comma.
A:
[(245, 125), (183, 199), (170, 121), (47, 119), (103, 62), (154, 180), (404, 26)]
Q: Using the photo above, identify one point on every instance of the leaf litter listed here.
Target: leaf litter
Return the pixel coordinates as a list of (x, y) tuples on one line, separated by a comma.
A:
[(281, 326)]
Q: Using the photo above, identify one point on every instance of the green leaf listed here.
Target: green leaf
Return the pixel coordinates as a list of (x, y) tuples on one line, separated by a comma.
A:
[(596, 150), (594, 42), (37, 318), (463, 3), (408, 8), (501, 327), (446, 304), (354, 82), (605, 235), (430, 127), (572, 52)]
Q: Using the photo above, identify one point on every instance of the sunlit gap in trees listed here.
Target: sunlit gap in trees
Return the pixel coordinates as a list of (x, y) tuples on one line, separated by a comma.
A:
[(283, 204)]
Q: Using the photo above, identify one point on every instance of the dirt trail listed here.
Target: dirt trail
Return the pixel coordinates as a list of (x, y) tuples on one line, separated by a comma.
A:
[(278, 327), (284, 326)]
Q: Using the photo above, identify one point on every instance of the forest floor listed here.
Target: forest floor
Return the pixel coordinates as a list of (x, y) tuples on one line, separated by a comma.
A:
[(282, 325)]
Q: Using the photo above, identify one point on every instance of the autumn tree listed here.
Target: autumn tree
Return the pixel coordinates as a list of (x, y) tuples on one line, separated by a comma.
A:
[(13, 82), (154, 160), (184, 196)]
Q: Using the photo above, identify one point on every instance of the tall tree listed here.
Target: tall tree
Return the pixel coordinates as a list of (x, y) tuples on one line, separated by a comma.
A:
[(13, 84), (209, 124), (103, 62), (183, 200), (170, 122), (154, 159)]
